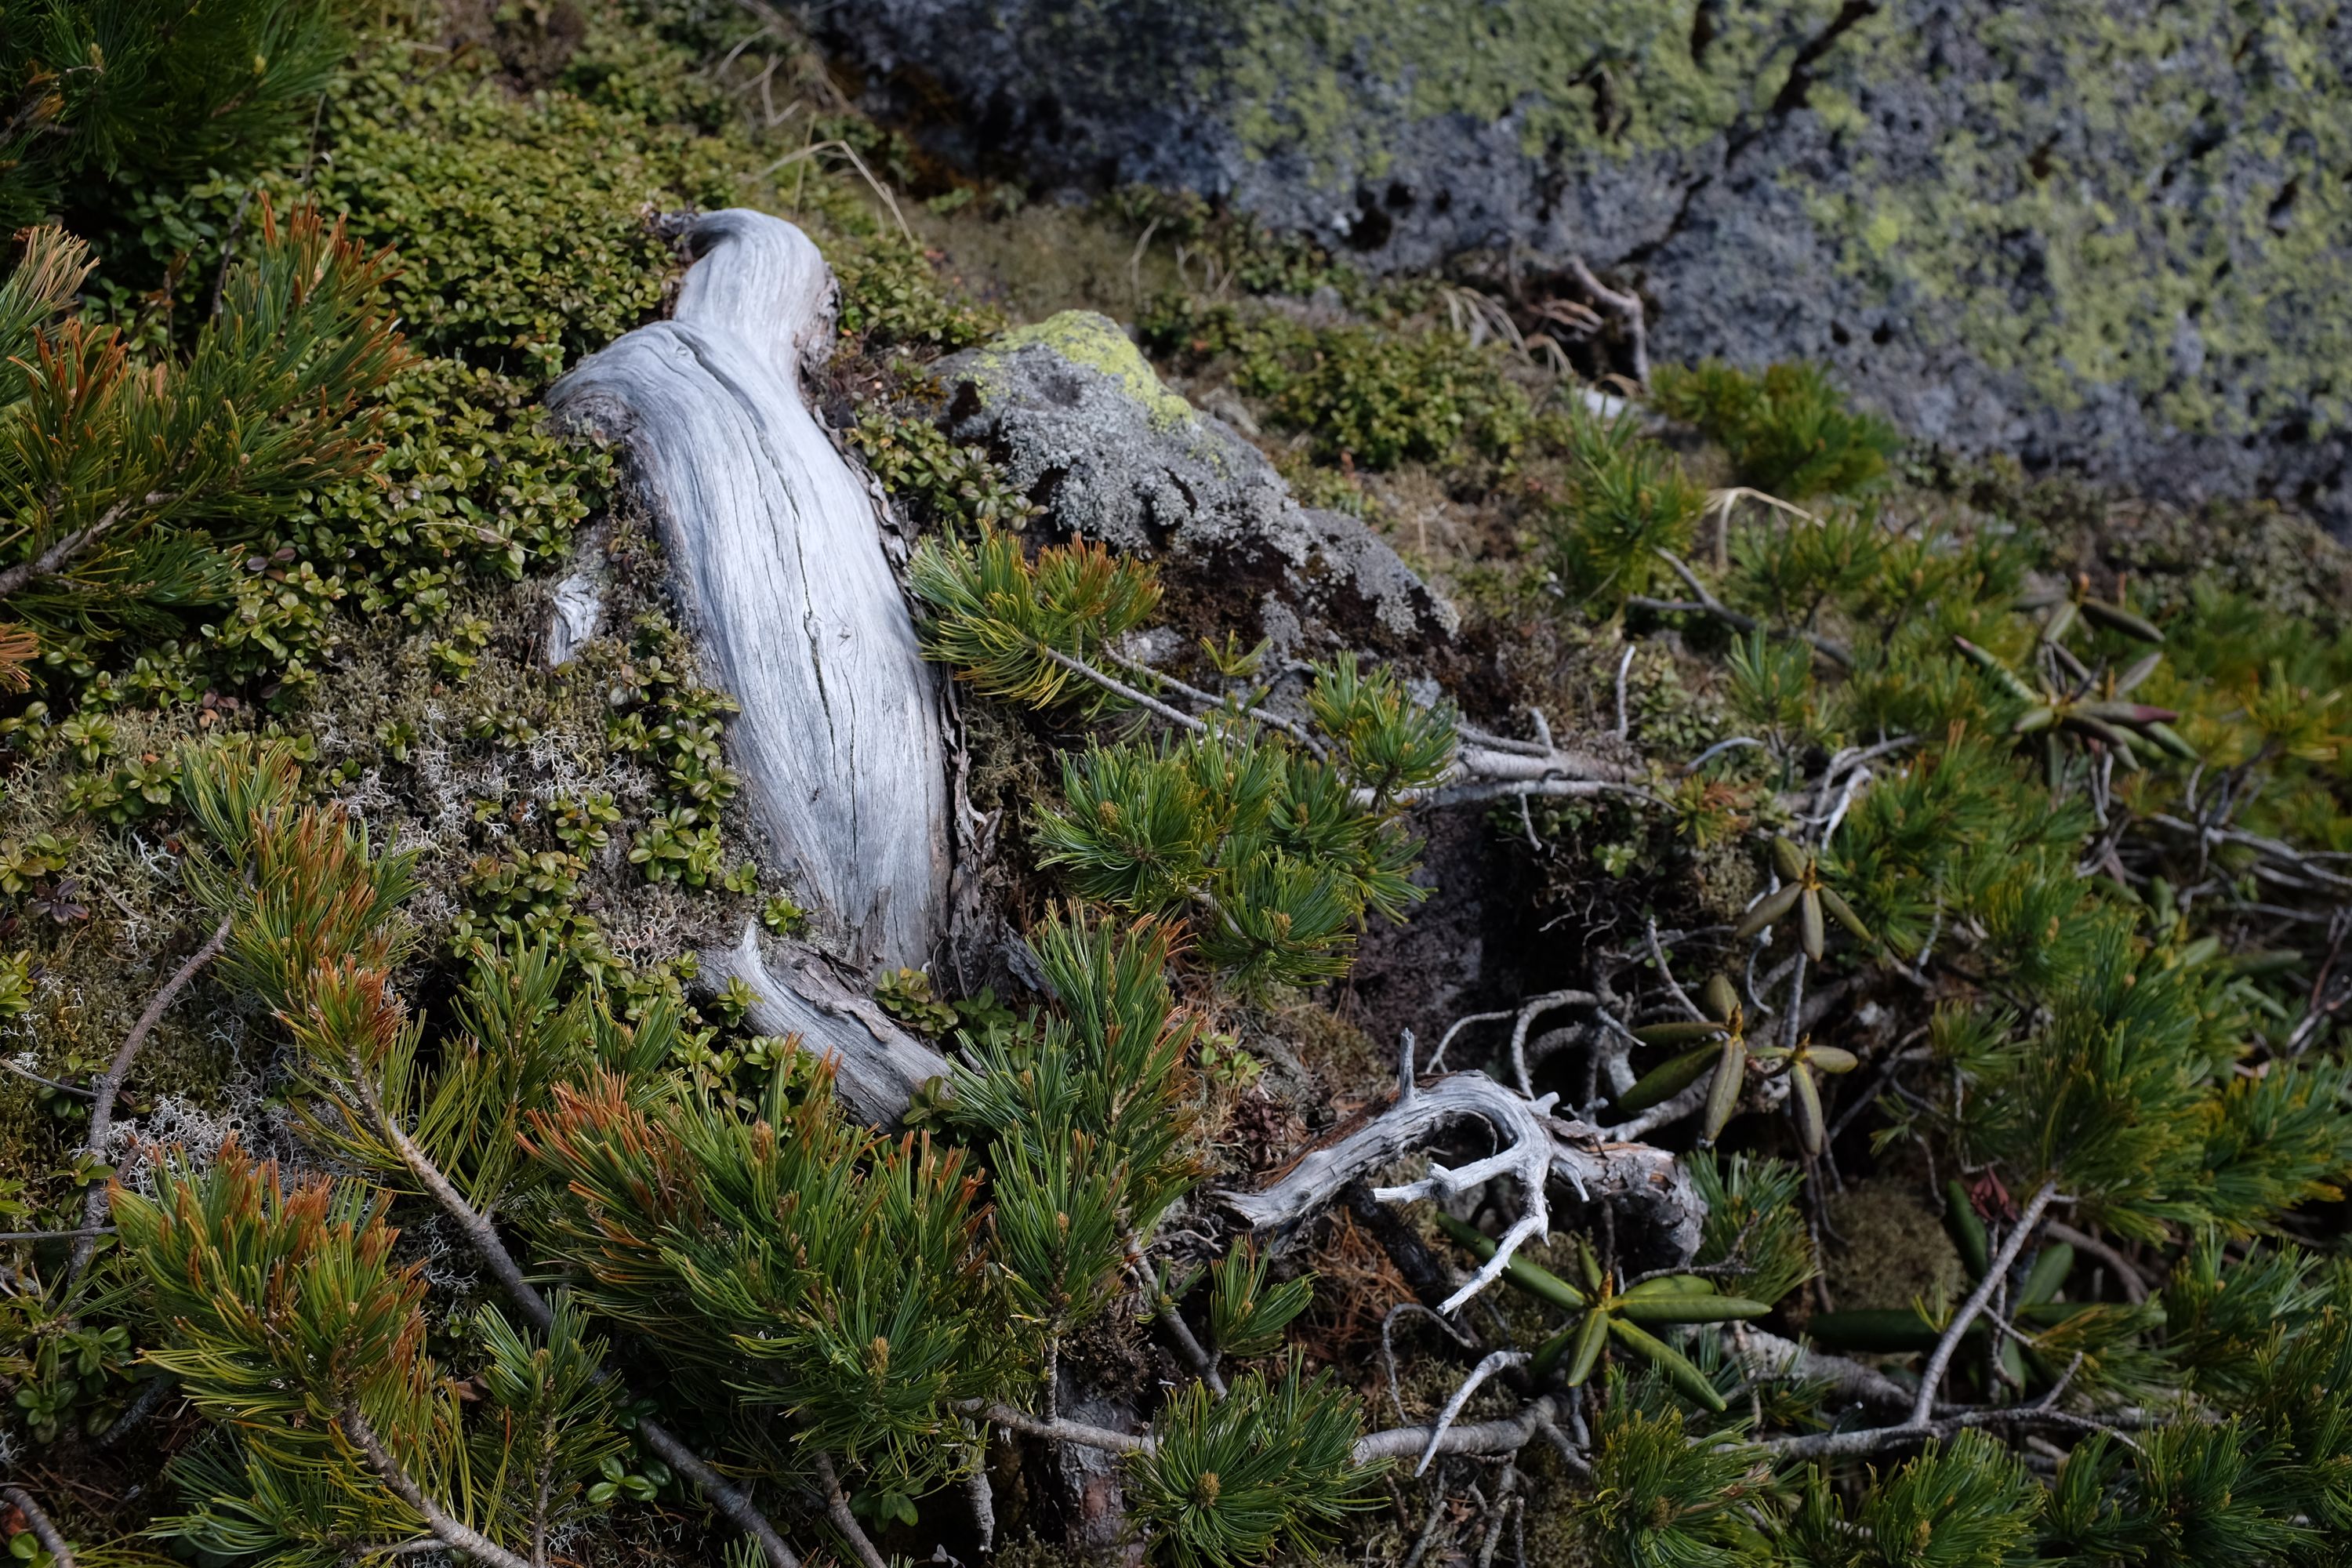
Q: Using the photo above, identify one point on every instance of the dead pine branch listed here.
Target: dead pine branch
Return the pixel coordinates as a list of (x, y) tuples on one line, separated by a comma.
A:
[(109, 1088), (45, 1529), (1626, 305), (1535, 1148)]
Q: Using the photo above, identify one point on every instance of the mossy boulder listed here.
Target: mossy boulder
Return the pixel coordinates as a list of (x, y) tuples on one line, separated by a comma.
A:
[(1082, 424), (2095, 236)]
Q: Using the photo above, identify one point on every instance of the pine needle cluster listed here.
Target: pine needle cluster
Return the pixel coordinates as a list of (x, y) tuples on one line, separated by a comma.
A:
[(128, 487)]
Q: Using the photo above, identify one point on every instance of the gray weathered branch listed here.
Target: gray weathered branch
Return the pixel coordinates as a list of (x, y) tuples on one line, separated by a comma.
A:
[(878, 1066), (1645, 1183)]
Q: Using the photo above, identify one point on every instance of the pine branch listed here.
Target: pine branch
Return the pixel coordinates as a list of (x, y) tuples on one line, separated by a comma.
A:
[(45, 1531), (2016, 1420), (1485, 773), (60, 1085), (1203, 1365), (1066, 1431), (483, 1236), (1503, 1436), (110, 1087), (2128, 1275), (1121, 690), (1707, 604), (71, 547), (1768, 1355), (455, 1533), (1507, 1436), (1255, 712)]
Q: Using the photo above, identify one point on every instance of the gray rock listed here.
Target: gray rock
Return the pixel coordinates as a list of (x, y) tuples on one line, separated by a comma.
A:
[(2106, 235), (1086, 427)]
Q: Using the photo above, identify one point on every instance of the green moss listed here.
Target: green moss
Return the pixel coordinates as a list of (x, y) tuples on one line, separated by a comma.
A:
[(1895, 1250)]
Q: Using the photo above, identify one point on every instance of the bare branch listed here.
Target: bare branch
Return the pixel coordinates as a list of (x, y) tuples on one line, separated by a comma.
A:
[(1628, 307), (1437, 1059), (2016, 1419), (1924, 1405), (836, 1508), (1536, 1147), (1493, 1363), (110, 1087), (45, 1531), (1533, 1008), (1063, 1431), (1830, 648), (2127, 1274), (1768, 1355), (30, 1076), (454, 1533), (1505, 1436)]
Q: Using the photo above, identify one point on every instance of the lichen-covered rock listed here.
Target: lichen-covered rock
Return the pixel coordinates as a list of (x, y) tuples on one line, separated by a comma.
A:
[(2097, 235), (1081, 423)]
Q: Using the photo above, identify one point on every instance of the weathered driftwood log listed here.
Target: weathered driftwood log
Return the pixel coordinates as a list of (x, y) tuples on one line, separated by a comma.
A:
[(775, 544), (776, 550)]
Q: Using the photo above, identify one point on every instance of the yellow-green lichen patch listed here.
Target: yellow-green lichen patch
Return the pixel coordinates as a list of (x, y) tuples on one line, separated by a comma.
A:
[(2175, 214), (1344, 82), (1096, 341)]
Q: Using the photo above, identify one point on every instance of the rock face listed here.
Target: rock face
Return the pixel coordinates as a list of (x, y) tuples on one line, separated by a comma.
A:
[(2106, 235), (1084, 427)]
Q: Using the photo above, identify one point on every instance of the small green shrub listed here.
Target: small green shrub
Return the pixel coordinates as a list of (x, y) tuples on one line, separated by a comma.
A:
[(951, 485), (1373, 397), (1789, 432), (521, 220), (890, 295), (666, 716), (1627, 499), (1658, 1498), (1231, 1479)]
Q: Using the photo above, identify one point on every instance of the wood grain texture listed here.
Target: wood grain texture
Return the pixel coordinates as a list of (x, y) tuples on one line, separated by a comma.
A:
[(878, 1066), (775, 548)]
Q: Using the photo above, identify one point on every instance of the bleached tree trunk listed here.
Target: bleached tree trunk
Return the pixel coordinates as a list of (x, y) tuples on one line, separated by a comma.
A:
[(775, 545), (775, 549)]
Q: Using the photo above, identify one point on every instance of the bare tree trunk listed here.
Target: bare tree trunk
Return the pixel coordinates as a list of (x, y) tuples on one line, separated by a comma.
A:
[(776, 551)]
